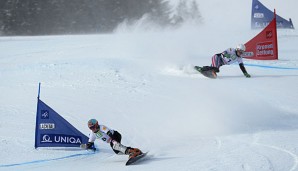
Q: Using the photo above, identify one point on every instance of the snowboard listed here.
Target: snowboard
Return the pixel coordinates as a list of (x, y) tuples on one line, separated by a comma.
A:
[(135, 159), (209, 73)]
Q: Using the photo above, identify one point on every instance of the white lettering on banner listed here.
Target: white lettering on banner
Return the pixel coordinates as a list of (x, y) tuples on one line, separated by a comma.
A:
[(265, 53), (261, 25), (265, 49), (258, 15), (264, 46), (265, 24), (72, 140), (45, 114), (52, 138), (46, 139), (248, 54), (269, 34), (47, 126)]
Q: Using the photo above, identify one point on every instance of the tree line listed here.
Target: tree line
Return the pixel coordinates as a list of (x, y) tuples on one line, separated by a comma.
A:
[(47, 17)]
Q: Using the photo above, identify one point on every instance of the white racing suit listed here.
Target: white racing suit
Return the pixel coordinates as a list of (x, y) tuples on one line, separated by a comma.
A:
[(227, 57), (109, 136)]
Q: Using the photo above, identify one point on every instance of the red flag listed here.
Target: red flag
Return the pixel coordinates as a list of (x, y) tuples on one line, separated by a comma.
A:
[(264, 45)]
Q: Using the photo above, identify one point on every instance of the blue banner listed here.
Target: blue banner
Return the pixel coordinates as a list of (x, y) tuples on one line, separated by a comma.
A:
[(52, 130), (261, 16)]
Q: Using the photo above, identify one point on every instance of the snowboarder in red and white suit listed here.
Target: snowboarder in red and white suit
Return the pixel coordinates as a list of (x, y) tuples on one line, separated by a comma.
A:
[(109, 136), (228, 57)]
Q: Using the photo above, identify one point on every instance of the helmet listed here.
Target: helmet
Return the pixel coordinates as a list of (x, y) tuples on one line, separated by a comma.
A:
[(92, 123), (241, 47)]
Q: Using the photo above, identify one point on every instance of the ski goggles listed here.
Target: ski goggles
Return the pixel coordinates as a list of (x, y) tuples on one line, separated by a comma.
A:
[(240, 52), (92, 127)]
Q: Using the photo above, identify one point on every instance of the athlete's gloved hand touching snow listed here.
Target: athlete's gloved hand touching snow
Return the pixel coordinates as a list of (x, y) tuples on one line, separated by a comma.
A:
[(109, 136), (227, 57)]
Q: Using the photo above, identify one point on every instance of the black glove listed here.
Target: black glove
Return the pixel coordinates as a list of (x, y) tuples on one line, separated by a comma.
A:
[(90, 146), (109, 134), (247, 75)]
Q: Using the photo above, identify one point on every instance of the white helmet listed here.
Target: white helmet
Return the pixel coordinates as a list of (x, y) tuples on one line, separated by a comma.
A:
[(241, 47)]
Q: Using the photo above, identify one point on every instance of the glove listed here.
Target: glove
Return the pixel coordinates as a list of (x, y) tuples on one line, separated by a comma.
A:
[(90, 146), (247, 75)]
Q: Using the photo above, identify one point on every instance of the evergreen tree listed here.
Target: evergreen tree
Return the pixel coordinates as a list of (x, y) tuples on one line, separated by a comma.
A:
[(187, 12), (40, 17)]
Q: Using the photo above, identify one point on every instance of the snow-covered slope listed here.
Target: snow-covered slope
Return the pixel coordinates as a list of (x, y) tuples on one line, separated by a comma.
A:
[(143, 85)]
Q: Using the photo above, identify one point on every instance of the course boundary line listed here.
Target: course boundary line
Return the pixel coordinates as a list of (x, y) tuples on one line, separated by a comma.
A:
[(46, 160), (271, 67)]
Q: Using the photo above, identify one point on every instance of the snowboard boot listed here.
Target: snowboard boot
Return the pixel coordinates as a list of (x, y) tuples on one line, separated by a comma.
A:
[(198, 68), (216, 70), (133, 152)]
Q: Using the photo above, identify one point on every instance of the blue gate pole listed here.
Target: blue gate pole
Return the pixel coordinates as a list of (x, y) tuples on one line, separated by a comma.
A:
[(38, 90), (36, 124)]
